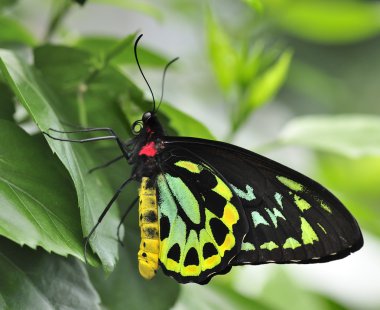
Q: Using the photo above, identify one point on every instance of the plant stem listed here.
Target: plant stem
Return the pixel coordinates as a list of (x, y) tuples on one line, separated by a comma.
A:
[(57, 19), (82, 111)]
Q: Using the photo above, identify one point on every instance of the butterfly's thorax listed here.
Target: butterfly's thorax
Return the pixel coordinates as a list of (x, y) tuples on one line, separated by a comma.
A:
[(149, 227), (147, 149)]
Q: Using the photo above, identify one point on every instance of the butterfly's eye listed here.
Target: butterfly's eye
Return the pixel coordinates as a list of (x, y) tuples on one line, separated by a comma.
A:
[(137, 126), (146, 116)]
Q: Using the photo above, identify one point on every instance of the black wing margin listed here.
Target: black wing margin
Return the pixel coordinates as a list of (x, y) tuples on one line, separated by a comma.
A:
[(292, 218)]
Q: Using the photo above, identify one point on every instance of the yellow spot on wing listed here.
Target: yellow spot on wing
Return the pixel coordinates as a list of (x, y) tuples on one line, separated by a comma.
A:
[(228, 244), (191, 271), (230, 215), (172, 265), (194, 168), (211, 262), (222, 189)]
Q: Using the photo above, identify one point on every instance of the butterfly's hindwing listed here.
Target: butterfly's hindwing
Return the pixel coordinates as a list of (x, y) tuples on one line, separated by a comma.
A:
[(291, 217), (202, 223)]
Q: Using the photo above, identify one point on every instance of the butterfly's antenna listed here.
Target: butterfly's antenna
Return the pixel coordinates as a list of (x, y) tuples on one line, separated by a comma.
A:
[(138, 64), (163, 81)]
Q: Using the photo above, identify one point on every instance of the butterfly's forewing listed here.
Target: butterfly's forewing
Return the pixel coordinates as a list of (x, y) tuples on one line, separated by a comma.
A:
[(291, 217), (202, 223)]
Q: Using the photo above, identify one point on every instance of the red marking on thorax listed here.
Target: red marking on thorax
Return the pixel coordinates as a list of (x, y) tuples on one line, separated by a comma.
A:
[(148, 149)]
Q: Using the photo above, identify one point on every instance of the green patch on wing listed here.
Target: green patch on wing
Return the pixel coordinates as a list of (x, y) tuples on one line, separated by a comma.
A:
[(308, 234), (269, 246), (246, 195), (258, 219), (291, 243), (293, 185)]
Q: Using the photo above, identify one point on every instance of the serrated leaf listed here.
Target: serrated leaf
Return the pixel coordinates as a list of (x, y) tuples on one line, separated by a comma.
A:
[(332, 22), (15, 32), (38, 203), (37, 280), (347, 135), (93, 192)]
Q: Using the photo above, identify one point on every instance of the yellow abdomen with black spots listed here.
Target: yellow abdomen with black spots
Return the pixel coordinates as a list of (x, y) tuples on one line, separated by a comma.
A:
[(150, 230)]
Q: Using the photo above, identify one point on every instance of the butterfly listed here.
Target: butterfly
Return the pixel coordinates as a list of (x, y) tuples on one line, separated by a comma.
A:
[(205, 206)]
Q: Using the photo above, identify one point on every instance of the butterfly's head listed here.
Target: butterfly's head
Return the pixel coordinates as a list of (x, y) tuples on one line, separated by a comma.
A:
[(149, 124)]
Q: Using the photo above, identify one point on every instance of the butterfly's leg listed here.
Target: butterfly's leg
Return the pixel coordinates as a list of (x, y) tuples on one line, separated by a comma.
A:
[(123, 219), (113, 136), (106, 209), (106, 164)]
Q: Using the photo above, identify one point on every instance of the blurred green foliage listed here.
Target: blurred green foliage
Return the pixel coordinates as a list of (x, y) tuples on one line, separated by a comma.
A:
[(314, 57)]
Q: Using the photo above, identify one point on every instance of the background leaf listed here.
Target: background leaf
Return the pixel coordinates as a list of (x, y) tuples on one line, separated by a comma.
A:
[(102, 44), (356, 181), (15, 32), (332, 22), (223, 55), (347, 135), (43, 281), (288, 291), (263, 88)]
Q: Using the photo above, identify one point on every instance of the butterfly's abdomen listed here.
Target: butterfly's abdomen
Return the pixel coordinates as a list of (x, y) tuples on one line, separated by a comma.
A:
[(149, 227)]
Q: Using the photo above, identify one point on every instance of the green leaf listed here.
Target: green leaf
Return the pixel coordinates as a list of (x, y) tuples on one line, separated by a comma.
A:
[(281, 292), (183, 124), (263, 88), (159, 293), (145, 8), (40, 209), (215, 297), (7, 107), (15, 32), (37, 280), (82, 84), (93, 192), (102, 44), (173, 120), (357, 186), (224, 57), (5, 4), (257, 5), (347, 135), (331, 22)]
